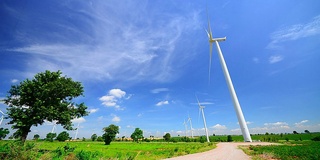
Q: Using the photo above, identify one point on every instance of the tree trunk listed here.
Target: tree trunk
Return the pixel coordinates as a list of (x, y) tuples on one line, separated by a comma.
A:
[(24, 133)]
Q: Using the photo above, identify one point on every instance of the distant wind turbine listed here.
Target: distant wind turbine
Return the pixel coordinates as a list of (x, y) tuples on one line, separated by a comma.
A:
[(242, 122), (189, 120), (2, 117), (77, 130), (185, 125), (204, 119), (54, 126)]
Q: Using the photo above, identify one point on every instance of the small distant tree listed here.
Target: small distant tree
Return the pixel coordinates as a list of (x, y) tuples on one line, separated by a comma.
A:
[(137, 134), (36, 136), (110, 133), (306, 131), (229, 138), (83, 139), (63, 136), (3, 133), (94, 137), (267, 133), (122, 138), (167, 137), (295, 132), (51, 136)]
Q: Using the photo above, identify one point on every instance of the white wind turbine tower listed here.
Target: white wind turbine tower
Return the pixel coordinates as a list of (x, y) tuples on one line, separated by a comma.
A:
[(54, 126), (242, 122), (204, 119), (185, 125), (2, 117), (189, 120), (75, 136)]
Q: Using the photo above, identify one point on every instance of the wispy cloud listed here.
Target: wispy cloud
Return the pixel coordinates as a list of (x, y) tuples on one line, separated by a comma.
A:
[(161, 103), (14, 80), (106, 41), (115, 118), (113, 98), (78, 120), (300, 124), (275, 59), (219, 127), (158, 90), (294, 32), (93, 110)]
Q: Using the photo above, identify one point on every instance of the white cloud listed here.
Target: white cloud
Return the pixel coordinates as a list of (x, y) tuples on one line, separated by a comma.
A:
[(113, 98), (78, 120), (14, 81), (158, 90), (140, 114), (115, 119), (275, 59), (300, 124), (93, 110), (219, 127), (295, 32), (276, 124), (162, 103)]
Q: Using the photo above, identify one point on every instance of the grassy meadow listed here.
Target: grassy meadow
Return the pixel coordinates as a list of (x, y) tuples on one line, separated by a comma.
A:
[(293, 146), (97, 150)]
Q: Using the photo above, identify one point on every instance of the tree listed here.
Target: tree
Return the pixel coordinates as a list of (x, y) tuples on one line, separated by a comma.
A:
[(99, 139), (51, 136), (167, 137), (63, 136), (36, 136), (48, 96), (110, 133), (295, 132), (3, 133), (137, 134), (94, 137), (229, 138), (306, 131)]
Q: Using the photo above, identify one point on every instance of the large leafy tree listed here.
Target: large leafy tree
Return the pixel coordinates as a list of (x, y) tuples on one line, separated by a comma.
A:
[(94, 137), (3, 133), (48, 96), (110, 133), (167, 137), (51, 136), (137, 134)]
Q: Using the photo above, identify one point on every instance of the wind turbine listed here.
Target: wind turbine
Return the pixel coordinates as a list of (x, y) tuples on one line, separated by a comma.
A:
[(54, 126), (75, 136), (2, 117), (189, 120), (204, 119), (242, 122), (185, 125)]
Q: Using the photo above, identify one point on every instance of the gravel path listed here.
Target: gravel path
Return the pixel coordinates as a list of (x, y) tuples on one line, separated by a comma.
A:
[(224, 151)]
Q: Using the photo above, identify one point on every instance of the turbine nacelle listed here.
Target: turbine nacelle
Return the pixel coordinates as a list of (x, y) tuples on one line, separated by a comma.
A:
[(217, 39)]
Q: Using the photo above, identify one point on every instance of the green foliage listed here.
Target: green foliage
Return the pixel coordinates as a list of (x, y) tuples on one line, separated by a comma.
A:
[(137, 134), (15, 150), (100, 139), (110, 133), (167, 137), (3, 133), (51, 136), (48, 96), (36, 136), (229, 138), (94, 137), (63, 151), (302, 150), (316, 138), (63, 136)]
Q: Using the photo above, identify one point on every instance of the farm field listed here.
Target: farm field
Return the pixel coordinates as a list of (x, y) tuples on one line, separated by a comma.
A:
[(97, 150), (302, 150)]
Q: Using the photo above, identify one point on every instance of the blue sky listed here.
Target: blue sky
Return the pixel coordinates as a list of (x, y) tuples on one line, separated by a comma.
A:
[(142, 62)]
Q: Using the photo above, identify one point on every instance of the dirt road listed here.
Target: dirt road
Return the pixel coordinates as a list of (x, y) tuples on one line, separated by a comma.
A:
[(224, 151)]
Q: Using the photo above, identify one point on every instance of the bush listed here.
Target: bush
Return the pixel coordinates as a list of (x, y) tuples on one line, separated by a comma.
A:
[(316, 138)]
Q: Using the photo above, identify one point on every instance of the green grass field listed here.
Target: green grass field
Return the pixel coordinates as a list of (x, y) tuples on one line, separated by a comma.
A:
[(302, 150), (97, 150)]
